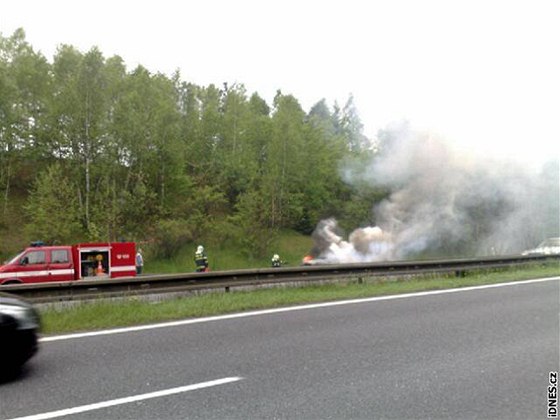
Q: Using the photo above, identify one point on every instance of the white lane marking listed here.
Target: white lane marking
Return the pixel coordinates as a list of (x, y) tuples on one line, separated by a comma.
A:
[(126, 400), (287, 309)]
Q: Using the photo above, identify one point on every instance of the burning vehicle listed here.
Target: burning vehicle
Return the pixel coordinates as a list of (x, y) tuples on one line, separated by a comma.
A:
[(310, 260), (369, 244)]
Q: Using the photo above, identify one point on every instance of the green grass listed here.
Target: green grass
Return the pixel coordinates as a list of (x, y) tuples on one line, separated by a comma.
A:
[(291, 246), (133, 311)]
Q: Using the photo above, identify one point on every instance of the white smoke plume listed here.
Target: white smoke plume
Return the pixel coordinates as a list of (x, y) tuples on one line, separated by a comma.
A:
[(442, 202), (363, 245)]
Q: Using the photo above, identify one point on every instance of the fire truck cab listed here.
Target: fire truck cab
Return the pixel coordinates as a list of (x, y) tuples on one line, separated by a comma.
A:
[(40, 263)]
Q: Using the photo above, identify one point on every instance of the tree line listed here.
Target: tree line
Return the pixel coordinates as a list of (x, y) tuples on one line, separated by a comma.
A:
[(92, 151)]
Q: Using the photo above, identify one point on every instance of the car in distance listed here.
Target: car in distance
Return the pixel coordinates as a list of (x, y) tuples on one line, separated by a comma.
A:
[(19, 327), (549, 246)]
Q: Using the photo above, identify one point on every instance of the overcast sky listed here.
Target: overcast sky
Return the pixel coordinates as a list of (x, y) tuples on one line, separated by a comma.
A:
[(483, 74)]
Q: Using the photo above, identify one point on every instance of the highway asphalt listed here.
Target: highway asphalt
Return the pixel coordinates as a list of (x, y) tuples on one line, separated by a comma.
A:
[(479, 353)]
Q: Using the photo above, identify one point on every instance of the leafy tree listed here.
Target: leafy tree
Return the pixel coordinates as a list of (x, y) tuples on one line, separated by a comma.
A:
[(138, 209), (52, 207), (193, 147), (210, 133), (282, 181), (147, 123), (252, 222), (235, 150), (24, 83), (80, 111), (141, 155), (324, 149), (170, 236), (351, 127), (258, 132)]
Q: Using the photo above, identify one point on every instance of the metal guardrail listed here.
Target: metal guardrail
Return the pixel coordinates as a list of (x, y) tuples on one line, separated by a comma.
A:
[(185, 282)]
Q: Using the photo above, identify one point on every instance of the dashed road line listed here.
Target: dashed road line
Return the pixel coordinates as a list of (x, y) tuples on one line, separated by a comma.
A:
[(127, 400)]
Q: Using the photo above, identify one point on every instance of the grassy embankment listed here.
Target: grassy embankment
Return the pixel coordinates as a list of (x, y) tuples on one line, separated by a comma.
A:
[(107, 314), (291, 247)]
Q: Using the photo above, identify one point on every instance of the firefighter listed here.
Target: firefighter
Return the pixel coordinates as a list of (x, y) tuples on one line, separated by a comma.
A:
[(276, 262), (200, 259)]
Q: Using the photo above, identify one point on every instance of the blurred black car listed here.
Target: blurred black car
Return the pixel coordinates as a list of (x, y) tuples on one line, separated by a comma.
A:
[(19, 327)]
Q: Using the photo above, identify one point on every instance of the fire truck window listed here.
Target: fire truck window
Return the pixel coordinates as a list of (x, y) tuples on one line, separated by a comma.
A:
[(36, 257), (59, 256)]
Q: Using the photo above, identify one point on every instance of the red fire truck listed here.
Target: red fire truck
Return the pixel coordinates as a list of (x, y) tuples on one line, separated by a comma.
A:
[(40, 263)]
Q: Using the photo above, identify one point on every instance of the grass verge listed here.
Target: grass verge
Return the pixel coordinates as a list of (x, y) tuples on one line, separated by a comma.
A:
[(291, 246), (134, 311)]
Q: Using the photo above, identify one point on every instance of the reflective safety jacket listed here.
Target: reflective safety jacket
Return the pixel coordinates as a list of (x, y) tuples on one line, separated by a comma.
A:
[(200, 259)]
